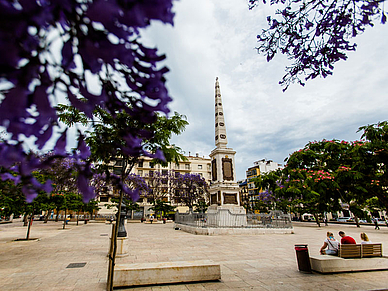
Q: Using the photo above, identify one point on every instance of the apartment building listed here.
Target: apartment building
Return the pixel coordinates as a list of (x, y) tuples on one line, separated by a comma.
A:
[(146, 169), (260, 167)]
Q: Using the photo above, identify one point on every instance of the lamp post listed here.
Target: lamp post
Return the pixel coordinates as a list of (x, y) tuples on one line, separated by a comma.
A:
[(122, 231)]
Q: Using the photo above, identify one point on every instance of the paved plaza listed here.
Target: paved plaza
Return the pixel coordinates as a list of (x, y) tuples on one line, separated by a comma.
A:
[(248, 262)]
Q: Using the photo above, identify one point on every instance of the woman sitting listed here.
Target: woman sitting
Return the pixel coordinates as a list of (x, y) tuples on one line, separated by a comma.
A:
[(331, 244), (364, 238)]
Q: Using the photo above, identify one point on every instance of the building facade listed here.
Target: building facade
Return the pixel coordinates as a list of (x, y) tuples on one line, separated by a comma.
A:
[(146, 169), (260, 167)]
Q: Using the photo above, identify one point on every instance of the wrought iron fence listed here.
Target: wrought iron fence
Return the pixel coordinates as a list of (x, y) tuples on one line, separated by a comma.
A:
[(274, 219)]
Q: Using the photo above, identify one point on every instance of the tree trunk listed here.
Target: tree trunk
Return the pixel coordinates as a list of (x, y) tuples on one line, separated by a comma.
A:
[(25, 219), (112, 258), (317, 219), (65, 219), (29, 226), (47, 216), (77, 216), (357, 221), (56, 217)]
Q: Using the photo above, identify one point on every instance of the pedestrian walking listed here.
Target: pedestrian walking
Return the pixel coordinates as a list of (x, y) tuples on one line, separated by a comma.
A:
[(376, 223)]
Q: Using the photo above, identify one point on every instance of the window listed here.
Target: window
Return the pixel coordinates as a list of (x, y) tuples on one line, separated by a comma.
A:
[(177, 166), (119, 163), (164, 172), (200, 167), (187, 166), (140, 164), (151, 173), (152, 165), (140, 172), (104, 199)]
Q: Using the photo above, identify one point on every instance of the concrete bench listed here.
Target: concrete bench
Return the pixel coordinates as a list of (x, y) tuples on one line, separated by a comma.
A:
[(352, 258), (333, 264), (360, 250), (166, 272)]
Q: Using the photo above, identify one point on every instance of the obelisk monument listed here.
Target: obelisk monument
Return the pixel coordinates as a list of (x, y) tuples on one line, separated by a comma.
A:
[(224, 190)]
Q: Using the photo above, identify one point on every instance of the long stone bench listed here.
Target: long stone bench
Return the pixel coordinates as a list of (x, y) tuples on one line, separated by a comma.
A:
[(333, 264), (166, 272), (352, 258)]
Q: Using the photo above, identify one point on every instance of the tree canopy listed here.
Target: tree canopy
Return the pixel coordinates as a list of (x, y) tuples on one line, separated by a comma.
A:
[(189, 188), (315, 34), (325, 174), (88, 53)]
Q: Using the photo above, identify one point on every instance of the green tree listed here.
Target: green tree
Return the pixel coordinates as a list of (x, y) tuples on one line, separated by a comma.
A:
[(201, 206), (108, 140), (374, 161), (74, 203), (162, 207)]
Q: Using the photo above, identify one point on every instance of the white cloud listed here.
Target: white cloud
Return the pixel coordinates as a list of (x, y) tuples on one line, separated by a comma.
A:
[(217, 38)]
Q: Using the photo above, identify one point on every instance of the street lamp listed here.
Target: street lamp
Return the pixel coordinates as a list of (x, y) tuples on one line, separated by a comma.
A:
[(122, 232)]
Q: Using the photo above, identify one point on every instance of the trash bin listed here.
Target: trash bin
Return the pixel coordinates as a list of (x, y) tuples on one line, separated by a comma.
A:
[(86, 221), (303, 258)]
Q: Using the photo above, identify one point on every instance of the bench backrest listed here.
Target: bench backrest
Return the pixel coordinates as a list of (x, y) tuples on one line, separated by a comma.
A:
[(360, 250), (350, 251), (371, 250)]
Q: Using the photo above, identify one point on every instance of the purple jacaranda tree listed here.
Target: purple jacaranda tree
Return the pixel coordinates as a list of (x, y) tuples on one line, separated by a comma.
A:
[(159, 184), (189, 189), (134, 182), (315, 34), (86, 53)]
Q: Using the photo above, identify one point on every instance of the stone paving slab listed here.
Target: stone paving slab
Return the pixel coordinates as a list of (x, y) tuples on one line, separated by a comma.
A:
[(248, 262)]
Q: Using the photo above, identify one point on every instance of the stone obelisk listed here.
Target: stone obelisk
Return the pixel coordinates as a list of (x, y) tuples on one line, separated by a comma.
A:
[(224, 190)]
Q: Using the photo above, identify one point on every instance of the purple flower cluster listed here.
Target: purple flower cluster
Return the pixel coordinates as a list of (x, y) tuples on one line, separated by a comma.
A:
[(189, 188), (133, 186), (98, 38), (315, 34)]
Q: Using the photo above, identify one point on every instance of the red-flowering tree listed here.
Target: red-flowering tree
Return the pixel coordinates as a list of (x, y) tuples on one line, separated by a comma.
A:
[(324, 174)]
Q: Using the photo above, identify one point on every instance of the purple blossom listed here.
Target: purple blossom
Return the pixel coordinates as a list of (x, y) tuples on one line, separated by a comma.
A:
[(315, 34), (34, 78)]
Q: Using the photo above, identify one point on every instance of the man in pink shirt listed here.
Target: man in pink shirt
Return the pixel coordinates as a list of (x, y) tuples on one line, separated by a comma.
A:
[(345, 239)]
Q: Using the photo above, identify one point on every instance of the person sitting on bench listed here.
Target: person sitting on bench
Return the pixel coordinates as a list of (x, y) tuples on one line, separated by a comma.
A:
[(331, 244), (364, 238), (345, 239)]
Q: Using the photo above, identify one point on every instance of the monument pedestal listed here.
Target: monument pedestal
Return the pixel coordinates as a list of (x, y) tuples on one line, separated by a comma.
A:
[(227, 215)]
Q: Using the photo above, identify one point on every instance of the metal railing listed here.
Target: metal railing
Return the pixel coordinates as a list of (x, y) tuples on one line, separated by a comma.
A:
[(274, 219)]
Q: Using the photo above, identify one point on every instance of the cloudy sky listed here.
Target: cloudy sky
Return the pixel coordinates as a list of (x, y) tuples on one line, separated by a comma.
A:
[(213, 38)]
